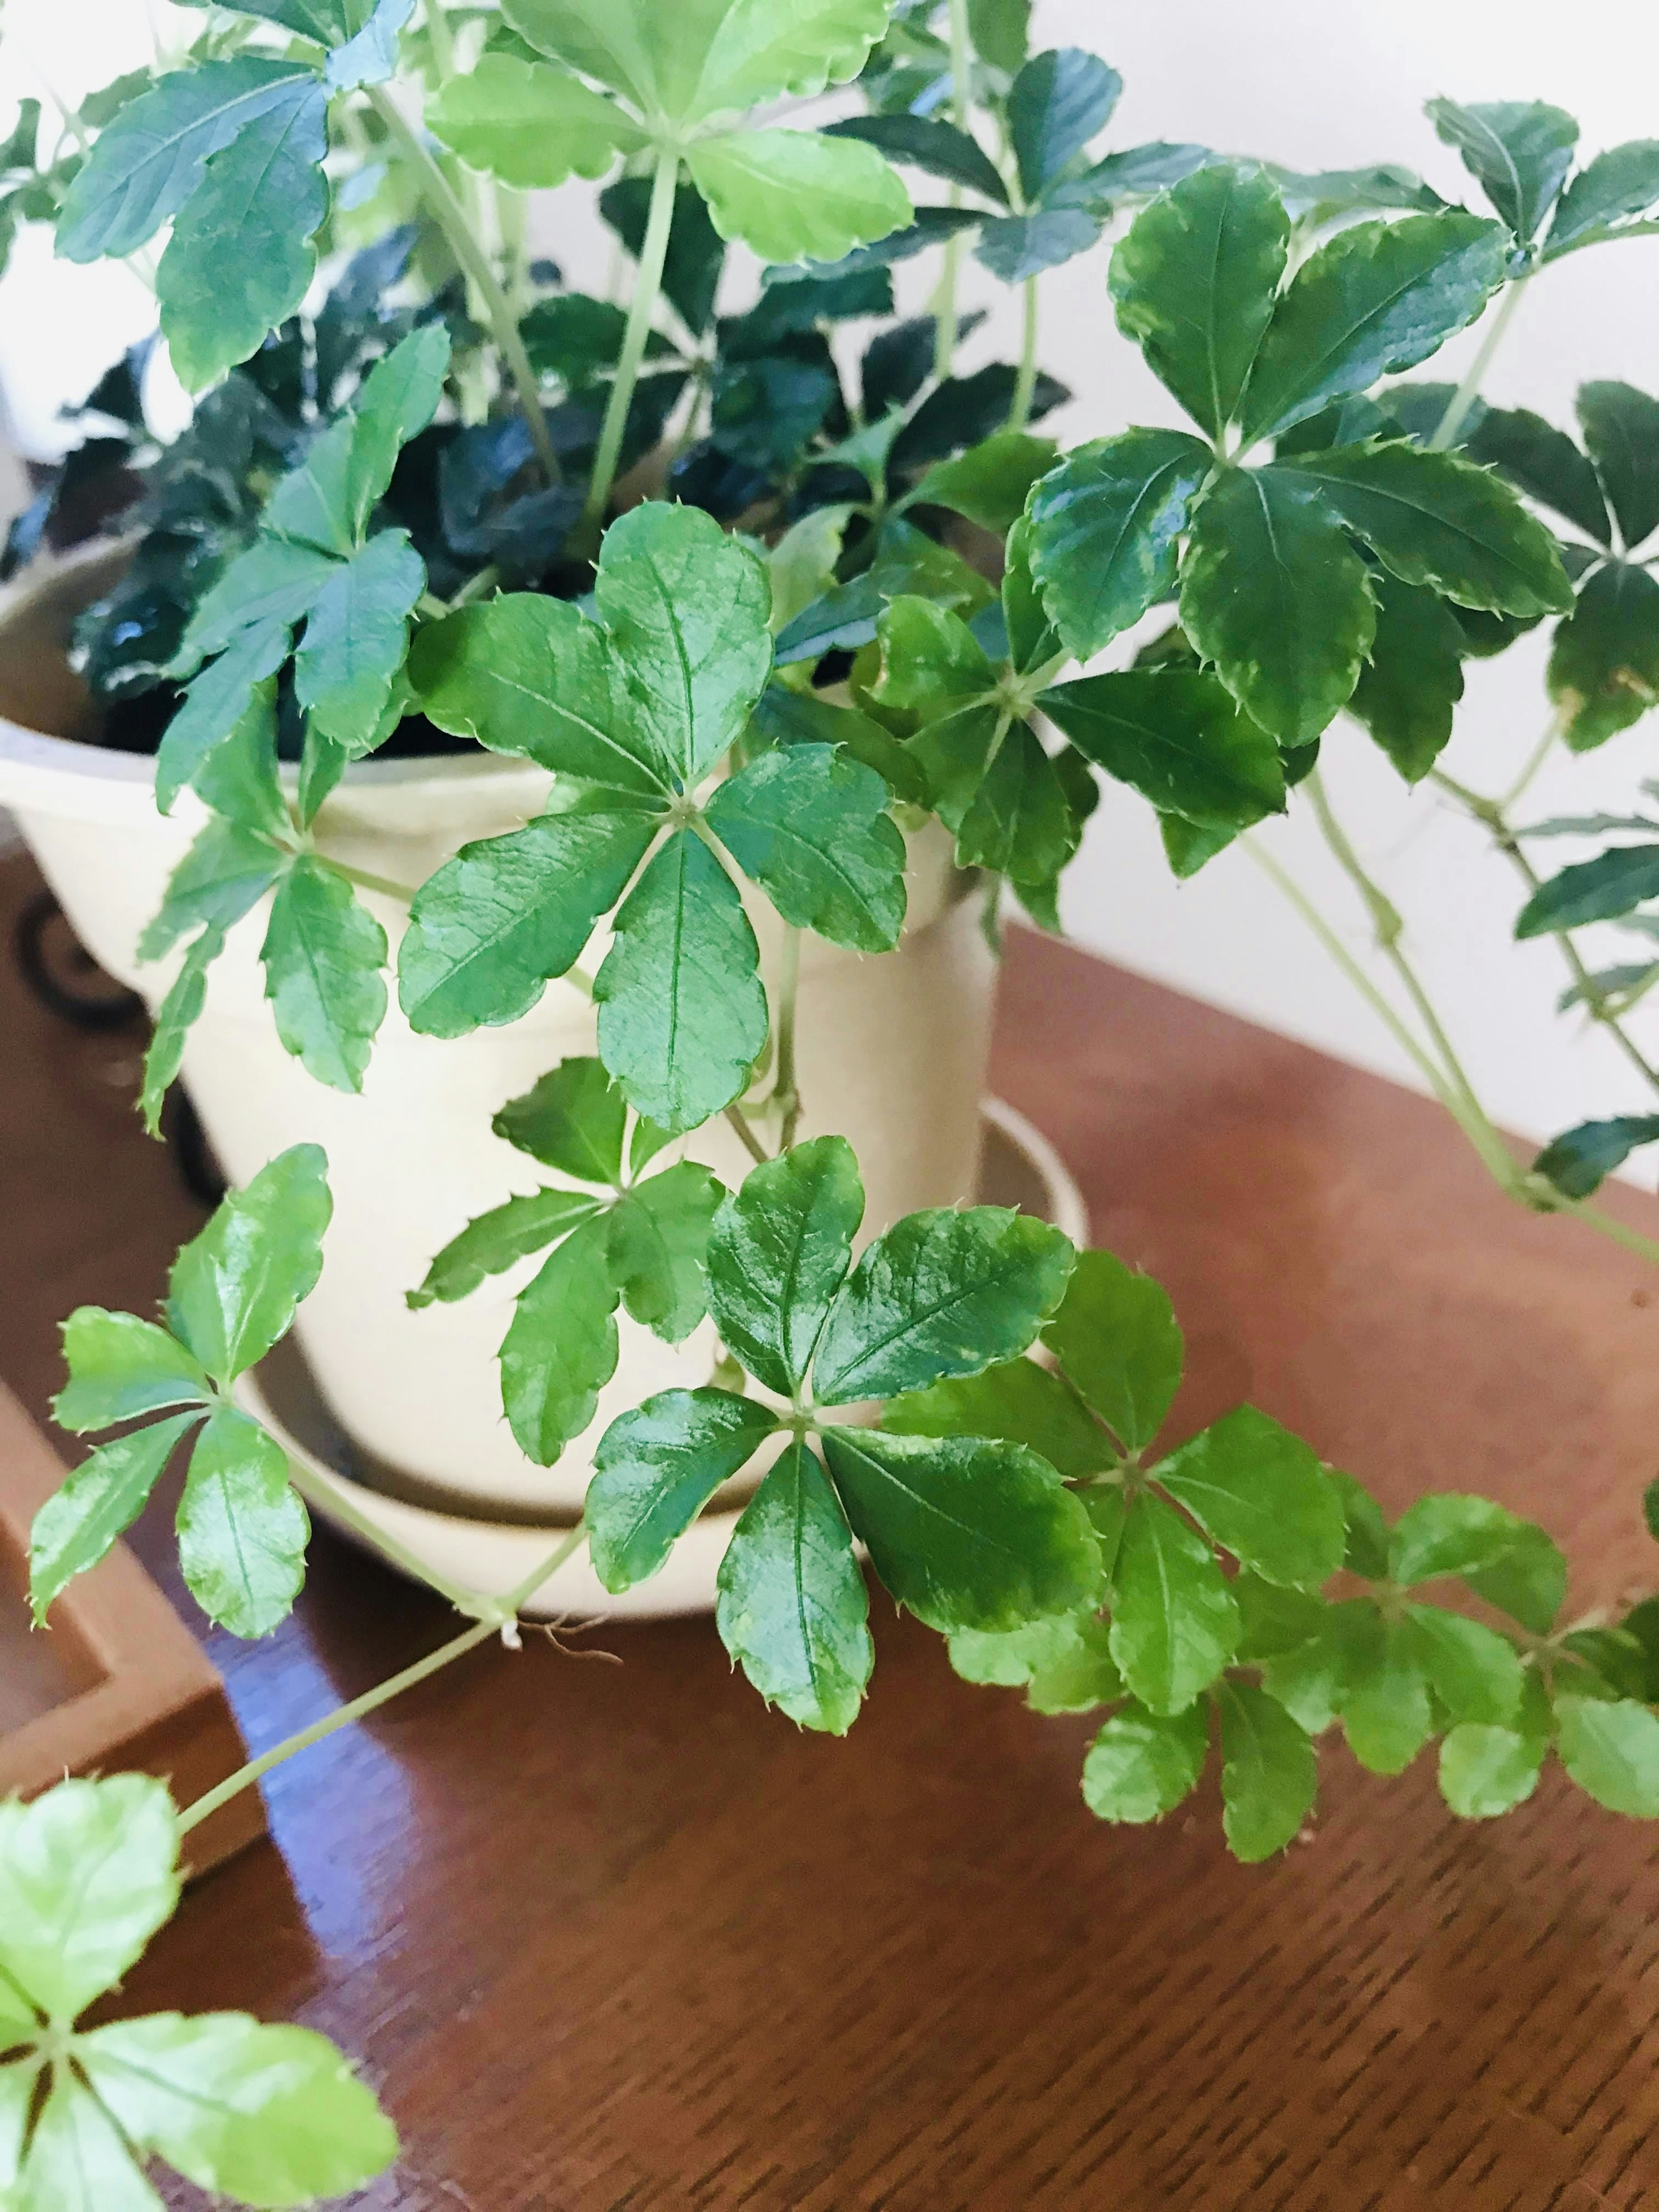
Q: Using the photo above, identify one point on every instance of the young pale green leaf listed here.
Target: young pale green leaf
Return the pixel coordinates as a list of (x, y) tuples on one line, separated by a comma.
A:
[(1612, 1751), (1269, 1773), (1020, 823), (120, 1367), (182, 1006), (1143, 1764), (1174, 1622), (1058, 102), (1407, 692), (242, 1527), (76, 2161), (490, 928), (1579, 1160), (1518, 152), (1018, 1401), (356, 637), (1104, 529), (942, 1293), (1386, 1714), (926, 142), (1509, 1561), (223, 876), (97, 1503), (265, 2115), (233, 1288), (760, 51), (965, 1532), (1485, 1771), (687, 607), (932, 663), (1116, 1336), (1473, 1670), (88, 1874), (793, 1608), (1272, 593), (1262, 1495), (778, 1254), (1437, 519), (991, 482), (529, 125), (216, 706), (810, 824), (1624, 181), (682, 1013), (1604, 664), (1064, 1663), (1176, 737), (1193, 281), (1614, 884), (655, 1469), (500, 1239), (571, 1118), (560, 1349), (1621, 430), (1542, 462), (273, 581), (658, 1243), (797, 195), (1379, 298), (323, 956)]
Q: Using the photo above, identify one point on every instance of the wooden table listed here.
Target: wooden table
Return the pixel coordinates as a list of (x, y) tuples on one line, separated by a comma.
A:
[(609, 1935)]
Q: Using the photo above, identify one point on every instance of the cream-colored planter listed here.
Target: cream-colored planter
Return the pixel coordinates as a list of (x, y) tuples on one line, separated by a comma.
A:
[(892, 1055)]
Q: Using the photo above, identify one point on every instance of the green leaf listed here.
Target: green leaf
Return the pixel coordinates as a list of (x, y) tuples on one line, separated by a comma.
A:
[(810, 824), (761, 51), (1032, 640), (682, 1013), (1019, 823), (990, 483), (1621, 430), (97, 1501), (1275, 1621), (1065, 1663), (1507, 1561), (76, 2161), (88, 1874), (1367, 1541), (529, 125), (266, 2115), (687, 607), (1615, 882), (656, 1468), (1193, 281), (1386, 1715), (1378, 298), (492, 926), (785, 717), (1542, 462), (797, 195), (241, 255), (1612, 1751), (233, 1288), (1272, 593), (1174, 1622), (1104, 529), (1262, 1495), (149, 161), (943, 1293), (1269, 1773), (120, 1367), (242, 1527), (356, 637), (1143, 1764), (1604, 664), (1312, 1680), (924, 141), (931, 661), (182, 1006), (1015, 1400), (1578, 1159), (498, 1240), (1518, 151), (1116, 1336), (965, 1532), (1001, 32), (1058, 102), (238, 778), (1408, 693), (223, 876), (778, 1253), (560, 1349), (1473, 1670), (216, 706), (327, 499), (1434, 518), (793, 1608), (1622, 181), (659, 1240), (273, 581), (1174, 735), (1486, 1770), (1319, 198), (571, 1118), (323, 955)]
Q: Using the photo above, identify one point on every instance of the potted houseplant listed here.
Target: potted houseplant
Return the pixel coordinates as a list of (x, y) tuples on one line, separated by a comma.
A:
[(712, 701)]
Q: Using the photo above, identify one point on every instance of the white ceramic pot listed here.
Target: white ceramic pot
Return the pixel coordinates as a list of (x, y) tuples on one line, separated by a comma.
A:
[(892, 1054)]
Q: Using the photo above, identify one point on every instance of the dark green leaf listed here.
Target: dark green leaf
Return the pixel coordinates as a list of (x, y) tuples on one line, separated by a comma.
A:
[(924, 142), (1174, 1623), (1135, 172), (1143, 1764), (1104, 529), (793, 1606), (1021, 246), (238, 778), (274, 581), (965, 1532), (990, 482), (1604, 664), (1262, 1495), (1187, 846), (809, 824), (560, 1350), (1622, 181), (323, 956), (658, 1239), (498, 1240), (571, 1118), (242, 1528), (1612, 1751), (1269, 1774), (655, 1469), (779, 1252), (1000, 30), (787, 717), (1367, 1547), (97, 1502), (1032, 640), (223, 876), (1621, 430), (1613, 883), (120, 1367), (1193, 279), (683, 1014), (181, 1007), (965, 409), (1518, 151), (1542, 462), (1018, 1401), (1058, 102), (356, 637), (1273, 594), (1174, 736), (233, 1288), (1116, 1336), (1486, 1770), (1408, 693), (1320, 198), (1019, 823), (1578, 1159)]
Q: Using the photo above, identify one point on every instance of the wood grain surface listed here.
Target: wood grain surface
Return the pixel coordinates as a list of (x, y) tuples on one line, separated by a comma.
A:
[(608, 1935)]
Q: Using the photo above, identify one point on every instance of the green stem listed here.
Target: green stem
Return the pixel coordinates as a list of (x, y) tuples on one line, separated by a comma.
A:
[(784, 1090), (318, 1491), (452, 221), (648, 286), (1535, 760), (945, 298), (1463, 398), (752, 1144), (366, 882), (1019, 410)]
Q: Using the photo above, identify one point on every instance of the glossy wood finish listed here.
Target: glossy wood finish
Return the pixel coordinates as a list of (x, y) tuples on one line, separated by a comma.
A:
[(610, 1935)]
